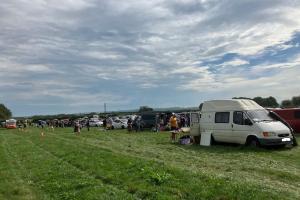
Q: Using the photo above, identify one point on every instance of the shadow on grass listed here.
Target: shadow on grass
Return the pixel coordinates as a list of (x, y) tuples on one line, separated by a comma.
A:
[(224, 148)]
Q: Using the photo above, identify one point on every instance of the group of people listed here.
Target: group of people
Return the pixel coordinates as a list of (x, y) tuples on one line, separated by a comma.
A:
[(164, 123), (22, 125), (175, 123), (135, 124)]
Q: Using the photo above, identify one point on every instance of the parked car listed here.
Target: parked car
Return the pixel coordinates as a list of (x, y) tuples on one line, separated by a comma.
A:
[(118, 124), (148, 119), (124, 120), (95, 123), (291, 116), (239, 121)]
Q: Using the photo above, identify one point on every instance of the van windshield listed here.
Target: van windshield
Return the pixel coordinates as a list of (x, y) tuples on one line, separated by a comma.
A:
[(259, 115)]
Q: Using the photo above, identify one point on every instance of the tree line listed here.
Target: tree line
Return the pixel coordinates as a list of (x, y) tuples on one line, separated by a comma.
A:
[(271, 102), (5, 113)]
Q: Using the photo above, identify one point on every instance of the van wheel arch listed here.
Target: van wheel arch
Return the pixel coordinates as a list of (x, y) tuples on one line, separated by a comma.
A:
[(252, 140)]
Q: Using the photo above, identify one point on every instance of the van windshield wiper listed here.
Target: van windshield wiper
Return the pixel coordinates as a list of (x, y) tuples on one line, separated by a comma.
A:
[(265, 120)]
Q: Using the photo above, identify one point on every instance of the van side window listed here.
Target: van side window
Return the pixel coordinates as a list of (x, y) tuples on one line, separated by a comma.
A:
[(297, 114), (238, 117), (222, 117)]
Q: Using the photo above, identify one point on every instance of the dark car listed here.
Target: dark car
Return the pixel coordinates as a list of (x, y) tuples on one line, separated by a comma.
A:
[(149, 120)]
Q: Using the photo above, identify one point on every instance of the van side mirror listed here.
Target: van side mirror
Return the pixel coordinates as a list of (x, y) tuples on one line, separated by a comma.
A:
[(248, 122)]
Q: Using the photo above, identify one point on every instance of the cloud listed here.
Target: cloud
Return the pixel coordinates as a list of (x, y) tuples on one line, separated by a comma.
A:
[(266, 80), (234, 63), (122, 49), (104, 55)]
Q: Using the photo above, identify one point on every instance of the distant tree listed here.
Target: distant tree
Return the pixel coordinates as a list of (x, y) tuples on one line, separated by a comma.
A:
[(270, 102), (145, 109), (286, 104), (296, 101), (259, 100), (5, 113)]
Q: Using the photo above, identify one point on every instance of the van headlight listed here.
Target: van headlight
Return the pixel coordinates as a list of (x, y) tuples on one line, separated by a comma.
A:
[(268, 134)]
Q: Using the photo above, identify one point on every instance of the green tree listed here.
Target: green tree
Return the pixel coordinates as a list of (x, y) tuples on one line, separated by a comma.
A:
[(145, 109), (286, 104), (259, 100), (296, 101), (270, 102), (5, 113)]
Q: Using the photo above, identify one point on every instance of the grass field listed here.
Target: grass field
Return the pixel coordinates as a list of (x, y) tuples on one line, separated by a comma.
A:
[(118, 165)]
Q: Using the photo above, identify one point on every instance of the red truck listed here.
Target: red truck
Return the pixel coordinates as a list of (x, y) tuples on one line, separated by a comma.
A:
[(291, 116)]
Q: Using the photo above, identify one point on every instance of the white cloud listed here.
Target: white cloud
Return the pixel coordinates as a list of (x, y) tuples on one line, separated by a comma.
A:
[(38, 68), (104, 55), (234, 63), (262, 68), (190, 70)]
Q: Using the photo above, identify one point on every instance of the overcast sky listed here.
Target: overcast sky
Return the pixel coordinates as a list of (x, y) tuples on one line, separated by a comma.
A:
[(72, 56)]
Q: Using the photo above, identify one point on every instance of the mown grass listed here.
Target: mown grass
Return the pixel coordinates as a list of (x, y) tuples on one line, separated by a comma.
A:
[(118, 165)]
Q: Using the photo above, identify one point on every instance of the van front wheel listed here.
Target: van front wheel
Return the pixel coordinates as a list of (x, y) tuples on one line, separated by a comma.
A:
[(253, 142)]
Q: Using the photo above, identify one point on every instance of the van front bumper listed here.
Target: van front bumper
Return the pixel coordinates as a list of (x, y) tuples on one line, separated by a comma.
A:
[(274, 141)]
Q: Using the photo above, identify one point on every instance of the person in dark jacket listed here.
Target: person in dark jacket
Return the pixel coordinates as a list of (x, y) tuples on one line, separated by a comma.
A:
[(88, 125)]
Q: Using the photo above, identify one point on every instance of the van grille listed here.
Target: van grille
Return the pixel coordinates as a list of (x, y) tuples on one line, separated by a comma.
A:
[(283, 135)]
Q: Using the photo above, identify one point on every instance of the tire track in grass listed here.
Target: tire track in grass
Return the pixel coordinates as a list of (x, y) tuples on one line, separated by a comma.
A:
[(285, 186), (119, 168), (59, 179), (78, 167), (106, 180), (12, 185)]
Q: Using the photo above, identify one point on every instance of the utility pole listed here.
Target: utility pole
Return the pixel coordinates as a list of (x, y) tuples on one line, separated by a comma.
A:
[(104, 107)]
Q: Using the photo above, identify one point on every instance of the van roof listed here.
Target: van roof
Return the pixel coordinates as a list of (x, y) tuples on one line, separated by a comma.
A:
[(229, 105)]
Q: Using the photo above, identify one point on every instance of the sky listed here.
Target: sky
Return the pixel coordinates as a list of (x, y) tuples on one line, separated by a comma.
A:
[(73, 56)]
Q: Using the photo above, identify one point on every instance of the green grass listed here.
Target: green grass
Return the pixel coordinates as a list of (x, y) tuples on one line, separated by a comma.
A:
[(117, 165)]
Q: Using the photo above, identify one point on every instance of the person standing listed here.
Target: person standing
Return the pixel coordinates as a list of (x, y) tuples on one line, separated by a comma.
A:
[(77, 128), (24, 125), (104, 123), (88, 125), (109, 123), (138, 124), (174, 126), (182, 121), (129, 124)]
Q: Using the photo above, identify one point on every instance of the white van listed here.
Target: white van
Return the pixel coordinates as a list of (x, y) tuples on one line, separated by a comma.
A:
[(239, 121)]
